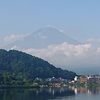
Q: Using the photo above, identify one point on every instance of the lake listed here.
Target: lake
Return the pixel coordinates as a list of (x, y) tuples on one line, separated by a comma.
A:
[(62, 93)]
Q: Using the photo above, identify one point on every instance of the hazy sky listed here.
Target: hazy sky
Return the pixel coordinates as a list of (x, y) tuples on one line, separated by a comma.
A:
[(78, 18)]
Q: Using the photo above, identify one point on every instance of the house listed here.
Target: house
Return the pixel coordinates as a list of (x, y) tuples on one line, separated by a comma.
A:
[(56, 85), (93, 79), (83, 79)]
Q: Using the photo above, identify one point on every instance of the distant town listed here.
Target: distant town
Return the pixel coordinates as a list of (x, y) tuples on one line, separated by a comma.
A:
[(81, 80)]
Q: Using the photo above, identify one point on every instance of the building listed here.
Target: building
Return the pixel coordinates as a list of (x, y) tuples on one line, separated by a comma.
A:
[(83, 79)]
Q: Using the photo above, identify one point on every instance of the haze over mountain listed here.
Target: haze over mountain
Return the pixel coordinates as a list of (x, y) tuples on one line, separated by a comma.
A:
[(42, 38), (79, 19), (59, 49)]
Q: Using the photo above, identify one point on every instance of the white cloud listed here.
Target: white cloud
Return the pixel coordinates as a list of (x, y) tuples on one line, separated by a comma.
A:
[(42, 36), (98, 50), (69, 55), (15, 48), (13, 37), (93, 40), (65, 48)]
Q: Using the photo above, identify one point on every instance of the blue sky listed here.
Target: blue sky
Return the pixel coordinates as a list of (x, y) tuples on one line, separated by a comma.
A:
[(78, 18)]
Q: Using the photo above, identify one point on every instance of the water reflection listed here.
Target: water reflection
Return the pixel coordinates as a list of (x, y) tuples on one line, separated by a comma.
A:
[(46, 93), (86, 90), (34, 94)]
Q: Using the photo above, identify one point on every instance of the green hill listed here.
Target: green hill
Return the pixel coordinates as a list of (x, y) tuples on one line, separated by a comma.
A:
[(17, 67)]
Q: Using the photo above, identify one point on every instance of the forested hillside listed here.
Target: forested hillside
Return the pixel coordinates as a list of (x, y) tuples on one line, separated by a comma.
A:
[(17, 67)]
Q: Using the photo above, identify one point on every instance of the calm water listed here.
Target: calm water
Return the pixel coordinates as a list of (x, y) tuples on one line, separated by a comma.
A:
[(70, 93)]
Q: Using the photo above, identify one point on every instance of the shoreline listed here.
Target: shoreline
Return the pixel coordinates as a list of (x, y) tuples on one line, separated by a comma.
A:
[(17, 86)]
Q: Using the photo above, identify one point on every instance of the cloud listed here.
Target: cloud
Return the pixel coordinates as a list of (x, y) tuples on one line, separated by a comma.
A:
[(68, 55), (10, 39), (93, 40), (98, 49), (15, 48), (42, 36), (13, 37), (65, 48)]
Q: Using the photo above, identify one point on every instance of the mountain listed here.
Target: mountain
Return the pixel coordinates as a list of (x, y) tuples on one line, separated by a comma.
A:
[(42, 38), (17, 65)]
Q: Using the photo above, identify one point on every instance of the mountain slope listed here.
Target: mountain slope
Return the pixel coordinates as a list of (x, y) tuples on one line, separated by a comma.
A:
[(29, 67), (42, 38)]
